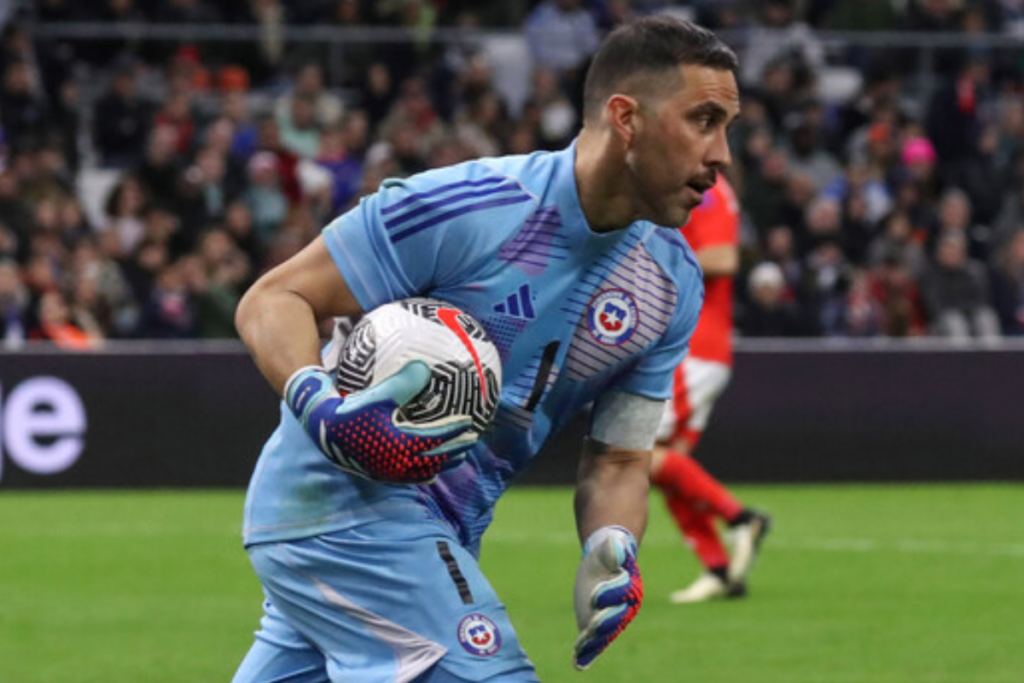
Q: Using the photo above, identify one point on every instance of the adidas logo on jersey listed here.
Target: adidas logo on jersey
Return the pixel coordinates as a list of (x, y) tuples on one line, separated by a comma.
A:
[(517, 304)]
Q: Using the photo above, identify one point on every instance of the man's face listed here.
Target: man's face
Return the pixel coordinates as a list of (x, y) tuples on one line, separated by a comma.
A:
[(681, 144)]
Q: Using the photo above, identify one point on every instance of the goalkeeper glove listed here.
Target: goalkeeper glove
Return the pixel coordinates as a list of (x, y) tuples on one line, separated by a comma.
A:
[(608, 591), (361, 433)]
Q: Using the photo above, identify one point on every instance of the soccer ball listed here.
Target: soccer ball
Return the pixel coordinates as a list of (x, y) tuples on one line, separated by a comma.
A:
[(464, 363)]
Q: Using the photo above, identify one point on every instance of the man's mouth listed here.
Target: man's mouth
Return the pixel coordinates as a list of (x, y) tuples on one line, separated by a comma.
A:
[(702, 185)]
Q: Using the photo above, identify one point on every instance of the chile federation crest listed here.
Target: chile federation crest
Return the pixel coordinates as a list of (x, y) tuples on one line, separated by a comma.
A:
[(612, 316), (479, 635)]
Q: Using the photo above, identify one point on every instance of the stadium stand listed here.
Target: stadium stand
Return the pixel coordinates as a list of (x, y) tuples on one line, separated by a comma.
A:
[(157, 156)]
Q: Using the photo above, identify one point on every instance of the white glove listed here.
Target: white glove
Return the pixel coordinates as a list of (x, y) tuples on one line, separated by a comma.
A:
[(608, 591)]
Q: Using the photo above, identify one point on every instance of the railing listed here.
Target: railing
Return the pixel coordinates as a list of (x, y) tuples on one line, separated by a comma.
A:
[(444, 34), (926, 44)]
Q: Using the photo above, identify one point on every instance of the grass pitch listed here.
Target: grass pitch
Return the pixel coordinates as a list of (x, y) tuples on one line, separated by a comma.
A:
[(880, 584)]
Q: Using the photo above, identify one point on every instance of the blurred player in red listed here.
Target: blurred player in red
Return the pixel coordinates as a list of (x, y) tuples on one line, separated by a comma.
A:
[(695, 498)]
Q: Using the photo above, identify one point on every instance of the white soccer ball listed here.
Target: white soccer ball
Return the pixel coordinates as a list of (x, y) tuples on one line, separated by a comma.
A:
[(464, 363)]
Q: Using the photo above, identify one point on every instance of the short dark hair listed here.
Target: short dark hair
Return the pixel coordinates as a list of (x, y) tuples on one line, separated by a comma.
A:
[(649, 46)]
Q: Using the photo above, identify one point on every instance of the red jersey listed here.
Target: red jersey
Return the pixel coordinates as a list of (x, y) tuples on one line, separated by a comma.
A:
[(714, 223)]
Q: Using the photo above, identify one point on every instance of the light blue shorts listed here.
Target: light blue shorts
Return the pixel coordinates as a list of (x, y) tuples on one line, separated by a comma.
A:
[(384, 602)]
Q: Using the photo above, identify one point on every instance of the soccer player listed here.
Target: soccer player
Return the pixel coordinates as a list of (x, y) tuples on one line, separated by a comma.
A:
[(365, 531), (694, 498)]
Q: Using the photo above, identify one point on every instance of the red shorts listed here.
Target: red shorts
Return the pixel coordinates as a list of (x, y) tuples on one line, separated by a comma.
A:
[(698, 384)]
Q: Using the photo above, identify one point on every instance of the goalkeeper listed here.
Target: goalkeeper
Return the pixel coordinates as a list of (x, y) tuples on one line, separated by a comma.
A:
[(367, 547)]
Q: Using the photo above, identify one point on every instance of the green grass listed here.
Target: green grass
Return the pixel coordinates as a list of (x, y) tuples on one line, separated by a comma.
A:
[(920, 584)]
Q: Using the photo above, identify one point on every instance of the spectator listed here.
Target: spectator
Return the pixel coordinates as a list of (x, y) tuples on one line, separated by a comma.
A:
[(355, 131), (124, 209), (1008, 285), (788, 40), (54, 324), (13, 306), (613, 13), (955, 216), (920, 165), (896, 243), (245, 134), (955, 111), (23, 111), (218, 141), (780, 250), (300, 131), (556, 117), (176, 117), (1010, 218), (768, 314), (765, 190), (264, 198), (161, 167), (896, 291), (15, 213), (806, 155), (268, 139), (121, 122), (414, 122), (141, 268), (562, 36), (345, 169), (217, 275), (827, 286), (326, 108), (238, 225), (864, 315), (377, 92), (480, 126), (99, 287), (42, 273), (980, 177), (824, 222), (8, 244), (170, 311), (956, 293)]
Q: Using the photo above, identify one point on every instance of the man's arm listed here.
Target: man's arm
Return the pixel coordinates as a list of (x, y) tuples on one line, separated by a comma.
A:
[(611, 489), (277, 318), (611, 515), (719, 260)]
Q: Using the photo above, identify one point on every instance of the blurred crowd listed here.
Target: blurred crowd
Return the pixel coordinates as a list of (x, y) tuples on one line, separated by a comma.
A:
[(144, 184)]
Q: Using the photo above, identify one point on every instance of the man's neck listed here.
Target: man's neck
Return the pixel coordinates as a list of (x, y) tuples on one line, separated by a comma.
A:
[(602, 183)]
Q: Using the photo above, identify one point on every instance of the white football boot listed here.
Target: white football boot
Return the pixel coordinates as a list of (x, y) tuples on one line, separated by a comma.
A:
[(708, 586), (747, 538)]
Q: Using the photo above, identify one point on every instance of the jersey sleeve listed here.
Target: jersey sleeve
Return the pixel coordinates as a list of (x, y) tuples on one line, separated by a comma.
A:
[(716, 222), (421, 233), (652, 375)]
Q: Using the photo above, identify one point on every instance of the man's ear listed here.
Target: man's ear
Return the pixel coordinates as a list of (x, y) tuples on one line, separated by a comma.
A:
[(624, 116)]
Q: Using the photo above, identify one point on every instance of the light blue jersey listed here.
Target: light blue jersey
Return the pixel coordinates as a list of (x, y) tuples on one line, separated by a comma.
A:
[(573, 313)]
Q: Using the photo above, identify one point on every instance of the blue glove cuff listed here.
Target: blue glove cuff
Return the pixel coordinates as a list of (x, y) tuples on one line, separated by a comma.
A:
[(306, 388), (604, 532)]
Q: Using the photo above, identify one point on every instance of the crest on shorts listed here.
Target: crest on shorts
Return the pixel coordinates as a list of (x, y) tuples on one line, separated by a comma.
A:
[(612, 316), (479, 635)]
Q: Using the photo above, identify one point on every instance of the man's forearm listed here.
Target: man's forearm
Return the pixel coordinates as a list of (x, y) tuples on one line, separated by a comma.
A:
[(280, 330), (612, 489), (721, 260)]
